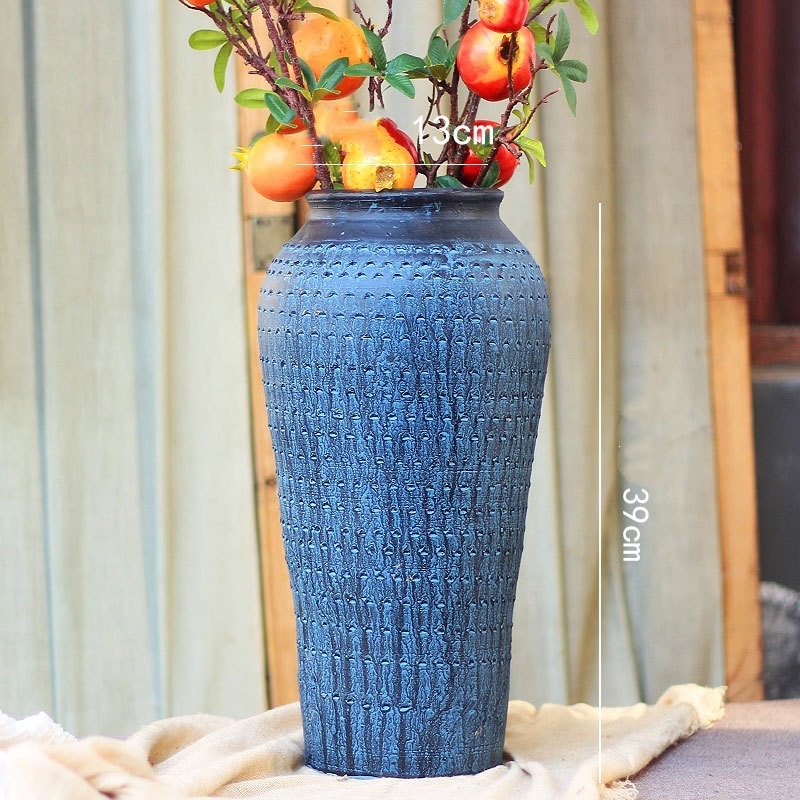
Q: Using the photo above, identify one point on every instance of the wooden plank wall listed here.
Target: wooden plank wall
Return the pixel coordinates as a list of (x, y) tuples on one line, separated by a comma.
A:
[(87, 364), (129, 576), (728, 338)]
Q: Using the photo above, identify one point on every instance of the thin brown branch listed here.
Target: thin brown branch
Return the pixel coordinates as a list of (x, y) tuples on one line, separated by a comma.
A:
[(538, 10), (522, 127), (361, 14), (307, 115), (456, 167), (388, 24), (277, 40)]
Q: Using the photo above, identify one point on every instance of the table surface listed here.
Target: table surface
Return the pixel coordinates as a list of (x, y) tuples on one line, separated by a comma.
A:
[(753, 753)]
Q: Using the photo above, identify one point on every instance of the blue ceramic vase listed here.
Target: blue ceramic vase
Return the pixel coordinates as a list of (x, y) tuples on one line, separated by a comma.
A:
[(404, 342)]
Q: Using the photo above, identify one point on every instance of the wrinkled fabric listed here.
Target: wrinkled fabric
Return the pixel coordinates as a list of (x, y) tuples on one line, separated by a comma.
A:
[(551, 754)]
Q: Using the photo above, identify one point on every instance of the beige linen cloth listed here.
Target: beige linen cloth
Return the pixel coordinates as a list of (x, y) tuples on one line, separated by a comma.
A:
[(551, 754)]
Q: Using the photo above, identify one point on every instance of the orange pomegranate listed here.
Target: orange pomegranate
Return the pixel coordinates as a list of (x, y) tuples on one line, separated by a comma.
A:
[(337, 121), (279, 167), (321, 41)]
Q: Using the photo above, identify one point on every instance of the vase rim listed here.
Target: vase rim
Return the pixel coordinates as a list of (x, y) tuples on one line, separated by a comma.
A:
[(431, 203), (319, 196)]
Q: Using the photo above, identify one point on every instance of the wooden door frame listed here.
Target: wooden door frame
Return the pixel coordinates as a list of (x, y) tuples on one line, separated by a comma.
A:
[(728, 331)]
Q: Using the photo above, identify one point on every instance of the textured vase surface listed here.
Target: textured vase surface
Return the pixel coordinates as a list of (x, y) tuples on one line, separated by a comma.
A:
[(404, 343)]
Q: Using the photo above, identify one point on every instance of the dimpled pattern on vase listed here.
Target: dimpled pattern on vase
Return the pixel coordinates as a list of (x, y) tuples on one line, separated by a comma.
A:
[(404, 343)]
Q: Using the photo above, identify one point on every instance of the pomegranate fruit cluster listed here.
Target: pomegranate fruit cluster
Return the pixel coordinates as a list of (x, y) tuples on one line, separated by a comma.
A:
[(311, 63)]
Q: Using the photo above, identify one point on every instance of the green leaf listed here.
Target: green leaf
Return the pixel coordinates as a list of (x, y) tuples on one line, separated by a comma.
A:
[(207, 40), (333, 74), (563, 37), (251, 98), (364, 69), (531, 166), (588, 16), (439, 71), (569, 93), (278, 109), (483, 151), (573, 70), (405, 63), (402, 83), (376, 47), (539, 32), (453, 9), (273, 126), (333, 158), (438, 52), (545, 51), (221, 65), (286, 83), (449, 182), (491, 177), (523, 114), (272, 60), (307, 8), (308, 74), (323, 94), (533, 147)]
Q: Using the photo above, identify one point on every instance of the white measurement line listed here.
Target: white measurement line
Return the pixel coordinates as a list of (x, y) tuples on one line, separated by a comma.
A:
[(600, 493), (401, 164)]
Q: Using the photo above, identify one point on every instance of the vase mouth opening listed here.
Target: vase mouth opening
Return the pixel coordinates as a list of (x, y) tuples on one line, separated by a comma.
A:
[(430, 202)]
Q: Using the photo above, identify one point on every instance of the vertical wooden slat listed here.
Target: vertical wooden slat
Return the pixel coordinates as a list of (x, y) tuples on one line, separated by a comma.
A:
[(278, 607), (213, 631), (25, 668), (279, 627), (96, 565), (729, 346)]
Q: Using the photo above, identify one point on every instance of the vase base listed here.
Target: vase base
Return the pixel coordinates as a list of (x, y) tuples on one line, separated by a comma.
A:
[(357, 775)]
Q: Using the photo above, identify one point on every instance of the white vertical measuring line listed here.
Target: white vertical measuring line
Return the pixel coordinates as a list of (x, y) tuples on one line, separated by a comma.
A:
[(600, 492)]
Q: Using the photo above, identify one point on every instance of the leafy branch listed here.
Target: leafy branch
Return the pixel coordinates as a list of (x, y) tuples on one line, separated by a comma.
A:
[(292, 89)]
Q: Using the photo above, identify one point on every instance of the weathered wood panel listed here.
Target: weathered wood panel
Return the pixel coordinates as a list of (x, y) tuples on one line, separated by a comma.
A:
[(99, 621), (210, 583), (25, 666)]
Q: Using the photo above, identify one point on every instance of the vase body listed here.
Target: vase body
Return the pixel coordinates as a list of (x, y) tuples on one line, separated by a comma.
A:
[(404, 343)]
